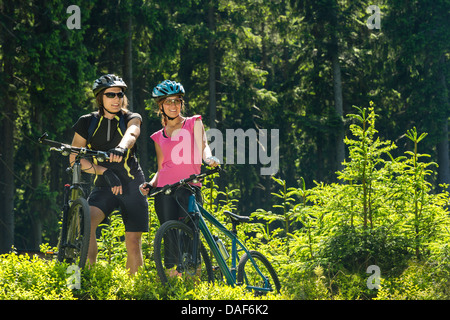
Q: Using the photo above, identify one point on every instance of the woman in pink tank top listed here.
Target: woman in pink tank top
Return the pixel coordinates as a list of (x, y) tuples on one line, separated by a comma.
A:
[(180, 146)]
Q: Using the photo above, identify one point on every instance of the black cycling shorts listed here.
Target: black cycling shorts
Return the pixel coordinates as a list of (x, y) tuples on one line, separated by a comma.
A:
[(167, 207), (133, 206), (173, 207)]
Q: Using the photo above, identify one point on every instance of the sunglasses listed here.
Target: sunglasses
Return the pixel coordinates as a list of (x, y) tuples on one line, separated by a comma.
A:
[(176, 102), (112, 95)]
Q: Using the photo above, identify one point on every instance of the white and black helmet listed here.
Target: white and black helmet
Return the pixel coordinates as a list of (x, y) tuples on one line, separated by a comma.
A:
[(108, 81)]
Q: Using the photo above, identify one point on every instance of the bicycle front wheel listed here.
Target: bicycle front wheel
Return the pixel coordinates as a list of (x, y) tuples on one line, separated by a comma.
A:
[(173, 253), (248, 274), (74, 240)]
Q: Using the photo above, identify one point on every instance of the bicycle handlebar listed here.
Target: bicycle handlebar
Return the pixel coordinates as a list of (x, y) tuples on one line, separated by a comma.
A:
[(66, 149), (167, 189)]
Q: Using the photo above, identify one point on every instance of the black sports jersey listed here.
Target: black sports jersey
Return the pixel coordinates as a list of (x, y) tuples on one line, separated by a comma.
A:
[(107, 135)]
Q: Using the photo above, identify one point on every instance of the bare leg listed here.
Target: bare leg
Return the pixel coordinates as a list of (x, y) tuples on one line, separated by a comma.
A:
[(97, 216), (134, 251)]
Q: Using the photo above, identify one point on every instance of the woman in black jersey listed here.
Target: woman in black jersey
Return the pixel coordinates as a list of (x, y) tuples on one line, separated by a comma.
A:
[(114, 129)]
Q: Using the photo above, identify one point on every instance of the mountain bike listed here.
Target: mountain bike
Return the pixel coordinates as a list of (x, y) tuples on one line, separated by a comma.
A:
[(73, 243), (179, 249)]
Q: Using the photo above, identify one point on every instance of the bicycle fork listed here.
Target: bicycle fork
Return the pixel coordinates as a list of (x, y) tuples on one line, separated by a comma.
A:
[(65, 213)]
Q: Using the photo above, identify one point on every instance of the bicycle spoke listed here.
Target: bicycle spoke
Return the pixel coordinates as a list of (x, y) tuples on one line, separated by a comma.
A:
[(73, 248), (174, 254), (259, 276)]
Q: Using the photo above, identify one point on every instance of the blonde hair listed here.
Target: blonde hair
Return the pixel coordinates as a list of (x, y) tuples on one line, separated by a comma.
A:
[(160, 103)]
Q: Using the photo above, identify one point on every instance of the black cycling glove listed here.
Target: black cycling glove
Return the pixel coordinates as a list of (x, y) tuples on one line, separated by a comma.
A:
[(118, 151), (112, 179)]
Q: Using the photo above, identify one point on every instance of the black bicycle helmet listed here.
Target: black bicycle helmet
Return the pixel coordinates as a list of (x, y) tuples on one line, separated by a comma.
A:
[(167, 88), (108, 81)]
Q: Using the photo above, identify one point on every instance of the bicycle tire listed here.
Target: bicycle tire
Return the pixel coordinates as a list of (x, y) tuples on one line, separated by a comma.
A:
[(75, 233), (244, 274), (178, 232)]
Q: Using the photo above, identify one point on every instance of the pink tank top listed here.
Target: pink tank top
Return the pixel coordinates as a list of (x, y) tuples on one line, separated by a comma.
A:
[(181, 155)]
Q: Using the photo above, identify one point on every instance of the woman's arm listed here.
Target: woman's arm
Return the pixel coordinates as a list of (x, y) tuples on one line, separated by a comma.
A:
[(159, 159), (202, 143), (154, 182), (86, 165), (128, 139), (132, 133)]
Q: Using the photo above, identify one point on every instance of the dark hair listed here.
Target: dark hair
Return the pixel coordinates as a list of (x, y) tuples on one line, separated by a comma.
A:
[(99, 102)]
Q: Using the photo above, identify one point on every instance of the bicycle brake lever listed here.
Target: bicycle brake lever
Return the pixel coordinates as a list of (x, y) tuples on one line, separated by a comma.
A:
[(102, 156), (43, 137)]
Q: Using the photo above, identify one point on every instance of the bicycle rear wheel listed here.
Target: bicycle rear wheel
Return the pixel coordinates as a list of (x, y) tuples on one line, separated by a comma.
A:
[(248, 275), (74, 240), (173, 253)]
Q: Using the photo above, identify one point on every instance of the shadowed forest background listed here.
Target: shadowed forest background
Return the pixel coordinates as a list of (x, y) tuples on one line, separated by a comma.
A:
[(296, 66)]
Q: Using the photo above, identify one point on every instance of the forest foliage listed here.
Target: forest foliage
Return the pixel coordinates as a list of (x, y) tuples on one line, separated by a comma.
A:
[(341, 194), (324, 241), (298, 67)]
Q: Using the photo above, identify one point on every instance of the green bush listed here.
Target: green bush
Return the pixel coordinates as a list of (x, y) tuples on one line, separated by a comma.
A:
[(420, 281), (384, 213), (320, 240), (354, 249), (25, 278)]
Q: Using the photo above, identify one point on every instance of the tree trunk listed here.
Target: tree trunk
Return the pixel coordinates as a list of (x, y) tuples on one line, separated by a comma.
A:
[(128, 62), (7, 116), (442, 147), (143, 141), (7, 186), (443, 156), (212, 66), (36, 210), (338, 106)]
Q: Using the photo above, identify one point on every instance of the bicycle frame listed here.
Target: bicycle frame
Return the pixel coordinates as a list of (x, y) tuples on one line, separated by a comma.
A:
[(76, 222), (200, 214), (76, 189), (72, 191)]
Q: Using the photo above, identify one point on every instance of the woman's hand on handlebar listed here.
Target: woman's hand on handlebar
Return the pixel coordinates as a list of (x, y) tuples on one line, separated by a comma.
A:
[(212, 161), (116, 154), (144, 188)]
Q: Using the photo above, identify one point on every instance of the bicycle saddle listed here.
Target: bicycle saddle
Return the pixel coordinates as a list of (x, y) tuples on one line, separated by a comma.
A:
[(235, 217)]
